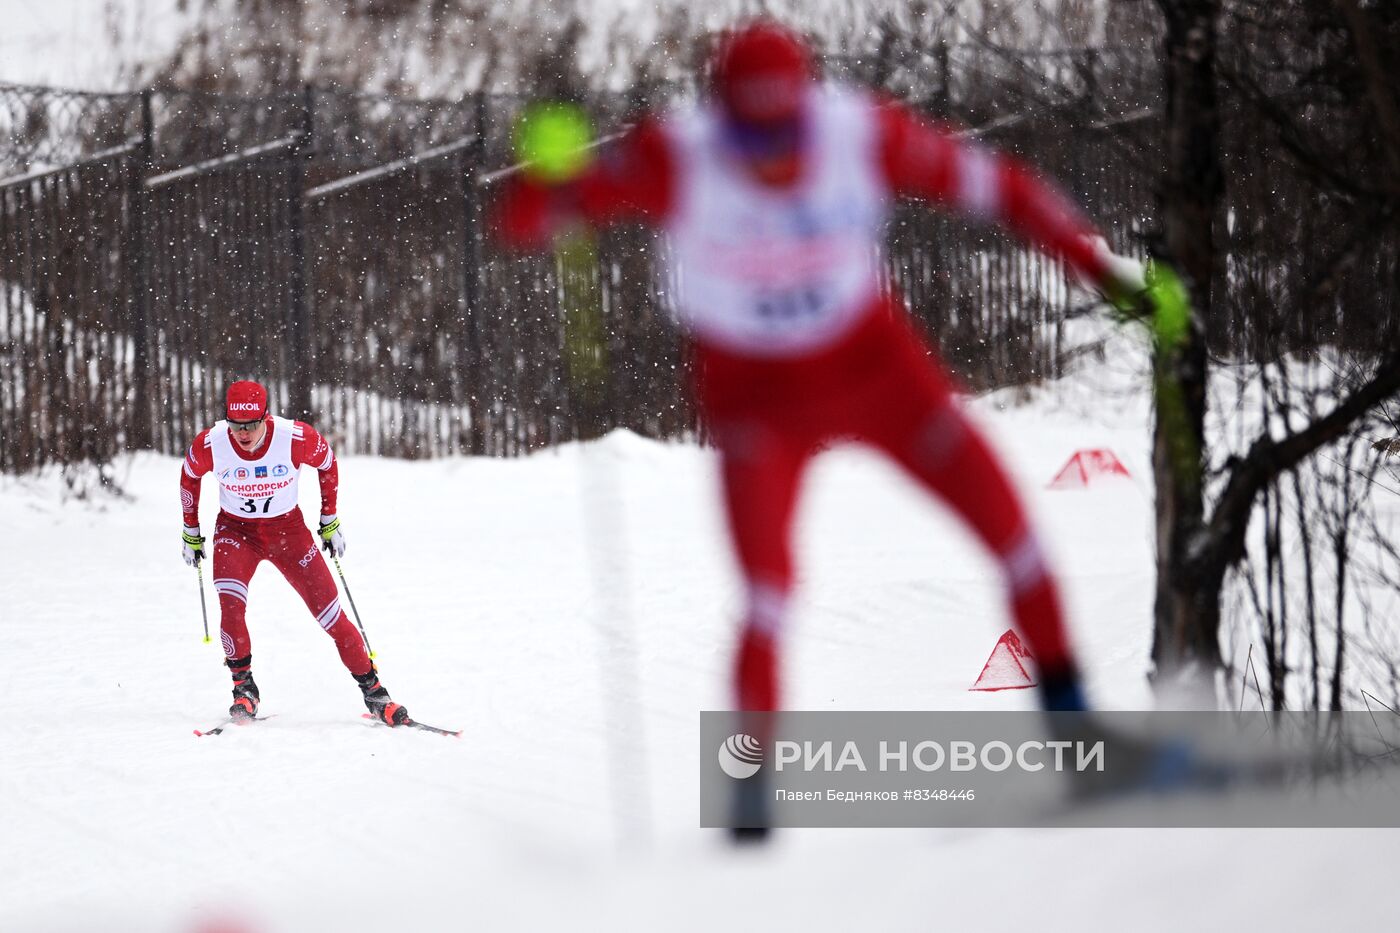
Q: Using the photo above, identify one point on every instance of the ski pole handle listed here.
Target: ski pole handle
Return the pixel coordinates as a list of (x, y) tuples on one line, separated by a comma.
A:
[(554, 141)]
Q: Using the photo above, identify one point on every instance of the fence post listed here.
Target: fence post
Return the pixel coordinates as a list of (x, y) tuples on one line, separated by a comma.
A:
[(301, 353), (943, 104), (139, 433), (473, 161)]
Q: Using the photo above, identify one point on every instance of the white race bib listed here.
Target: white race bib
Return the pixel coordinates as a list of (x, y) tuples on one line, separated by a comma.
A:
[(262, 488), (779, 271)]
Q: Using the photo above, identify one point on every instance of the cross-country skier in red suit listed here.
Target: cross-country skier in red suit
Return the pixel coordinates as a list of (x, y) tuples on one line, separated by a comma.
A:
[(774, 193), (256, 458)]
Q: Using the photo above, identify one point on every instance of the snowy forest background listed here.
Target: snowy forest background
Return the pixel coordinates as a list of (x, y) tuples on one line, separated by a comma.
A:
[(299, 196)]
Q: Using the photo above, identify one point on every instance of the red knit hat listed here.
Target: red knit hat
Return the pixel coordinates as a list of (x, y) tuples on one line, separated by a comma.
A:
[(761, 72), (247, 401)]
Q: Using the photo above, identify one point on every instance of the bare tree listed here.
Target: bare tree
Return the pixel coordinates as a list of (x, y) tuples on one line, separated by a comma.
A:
[(1200, 536)]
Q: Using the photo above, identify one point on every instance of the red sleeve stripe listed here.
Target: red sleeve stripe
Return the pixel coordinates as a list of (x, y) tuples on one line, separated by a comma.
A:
[(330, 459)]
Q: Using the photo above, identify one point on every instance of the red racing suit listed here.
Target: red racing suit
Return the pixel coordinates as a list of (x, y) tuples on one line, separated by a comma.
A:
[(797, 346), (248, 531)]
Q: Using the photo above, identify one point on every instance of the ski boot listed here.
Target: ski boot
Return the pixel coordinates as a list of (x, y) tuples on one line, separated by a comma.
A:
[(1142, 764), (749, 813), (245, 691), (377, 700), (756, 690), (1062, 692)]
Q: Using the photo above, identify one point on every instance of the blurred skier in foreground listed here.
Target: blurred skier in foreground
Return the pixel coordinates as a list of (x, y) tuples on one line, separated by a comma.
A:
[(775, 192)]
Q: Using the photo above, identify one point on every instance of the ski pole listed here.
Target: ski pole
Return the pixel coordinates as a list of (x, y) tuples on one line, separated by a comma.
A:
[(554, 143), (199, 567), (353, 609)]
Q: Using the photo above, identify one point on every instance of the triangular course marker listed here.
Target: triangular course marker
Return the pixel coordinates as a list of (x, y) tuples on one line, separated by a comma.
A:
[(1005, 668), (1086, 466)]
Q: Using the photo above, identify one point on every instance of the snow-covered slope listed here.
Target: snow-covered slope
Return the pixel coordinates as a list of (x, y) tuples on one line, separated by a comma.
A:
[(476, 581)]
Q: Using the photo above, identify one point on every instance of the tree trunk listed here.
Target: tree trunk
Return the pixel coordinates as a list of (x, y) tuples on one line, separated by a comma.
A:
[(1187, 612)]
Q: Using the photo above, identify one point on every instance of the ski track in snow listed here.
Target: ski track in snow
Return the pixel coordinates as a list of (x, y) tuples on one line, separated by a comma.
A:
[(476, 584)]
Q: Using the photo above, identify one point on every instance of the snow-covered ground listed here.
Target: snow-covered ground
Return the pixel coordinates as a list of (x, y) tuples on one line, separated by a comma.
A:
[(477, 584)]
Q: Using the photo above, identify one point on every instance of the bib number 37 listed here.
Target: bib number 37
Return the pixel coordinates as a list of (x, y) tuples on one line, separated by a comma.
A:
[(250, 506)]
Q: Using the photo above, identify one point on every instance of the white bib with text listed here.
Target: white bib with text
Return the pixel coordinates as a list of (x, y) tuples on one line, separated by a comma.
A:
[(778, 271), (262, 488)]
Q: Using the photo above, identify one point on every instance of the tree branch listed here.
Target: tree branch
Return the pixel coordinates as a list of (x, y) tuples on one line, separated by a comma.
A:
[(1295, 140), (1268, 458)]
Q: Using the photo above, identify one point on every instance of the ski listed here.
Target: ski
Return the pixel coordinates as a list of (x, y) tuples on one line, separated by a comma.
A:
[(414, 724), (1179, 775), (229, 722)]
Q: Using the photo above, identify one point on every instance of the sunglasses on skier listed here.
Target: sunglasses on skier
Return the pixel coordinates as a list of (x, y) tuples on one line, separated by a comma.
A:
[(244, 425)]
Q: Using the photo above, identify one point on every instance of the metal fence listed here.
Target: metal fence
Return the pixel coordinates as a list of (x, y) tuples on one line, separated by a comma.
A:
[(224, 293), (69, 359), (332, 246), (155, 246)]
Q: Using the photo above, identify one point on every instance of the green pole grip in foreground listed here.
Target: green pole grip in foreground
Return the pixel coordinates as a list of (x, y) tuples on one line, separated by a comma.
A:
[(553, 140), (1171, 305)]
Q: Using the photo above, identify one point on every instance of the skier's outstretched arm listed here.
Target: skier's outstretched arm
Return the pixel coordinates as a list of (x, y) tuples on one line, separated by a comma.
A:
[(923, 161), (633, 180)]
